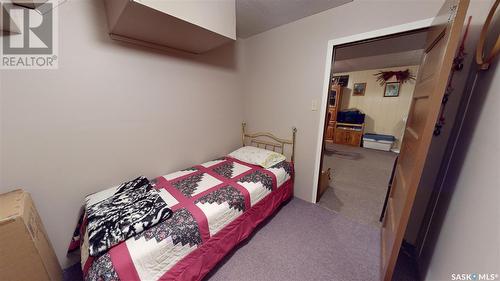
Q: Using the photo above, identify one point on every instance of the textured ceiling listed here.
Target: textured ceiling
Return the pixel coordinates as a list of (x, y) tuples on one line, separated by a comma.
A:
[(256, 16), (391, 52)]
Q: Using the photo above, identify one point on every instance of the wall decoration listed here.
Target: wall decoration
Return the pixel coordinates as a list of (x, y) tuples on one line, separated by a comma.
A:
[(359, 89), (485, 57), (458, 65), (401, 76), (392, 89), (341, 80)]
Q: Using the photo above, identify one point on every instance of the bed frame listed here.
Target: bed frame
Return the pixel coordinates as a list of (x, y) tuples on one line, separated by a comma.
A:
[(261, 140)]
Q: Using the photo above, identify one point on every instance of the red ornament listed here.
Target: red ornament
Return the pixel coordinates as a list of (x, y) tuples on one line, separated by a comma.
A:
[(402, 76)]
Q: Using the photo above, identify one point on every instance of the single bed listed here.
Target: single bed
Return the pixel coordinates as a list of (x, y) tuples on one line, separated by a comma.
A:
[(215, 206)]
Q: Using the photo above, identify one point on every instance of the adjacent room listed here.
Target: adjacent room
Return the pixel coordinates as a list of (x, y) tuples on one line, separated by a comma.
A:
[(336, 140), (369, 100)]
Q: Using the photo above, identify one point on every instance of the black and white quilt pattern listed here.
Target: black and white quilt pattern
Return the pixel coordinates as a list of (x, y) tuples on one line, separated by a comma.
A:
[(134, 207), (102, 269), (286, 166), (230, 169), (258, 177), (227, 194), (258, 184), (221, 206), (188, 185), (194, 184), (225, 170), (182, 227), (283, 172)]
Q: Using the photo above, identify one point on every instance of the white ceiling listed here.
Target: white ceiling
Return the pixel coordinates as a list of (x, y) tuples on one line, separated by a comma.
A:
[(256, 16), (380, 61), (391, 52)]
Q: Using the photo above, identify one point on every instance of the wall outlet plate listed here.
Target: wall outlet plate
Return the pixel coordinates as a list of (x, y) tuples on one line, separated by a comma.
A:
[(314, 105)]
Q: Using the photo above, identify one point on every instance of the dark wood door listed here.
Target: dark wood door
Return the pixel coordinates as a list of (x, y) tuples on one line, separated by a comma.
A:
[(355, 138), (340, 136), (329, 133)]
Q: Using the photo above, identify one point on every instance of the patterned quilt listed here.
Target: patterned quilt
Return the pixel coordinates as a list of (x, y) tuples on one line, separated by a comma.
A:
[(204, 199), (133, 208)]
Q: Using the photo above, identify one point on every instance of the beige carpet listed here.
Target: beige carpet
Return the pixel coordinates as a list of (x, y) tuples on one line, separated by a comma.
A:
[(359, 181)]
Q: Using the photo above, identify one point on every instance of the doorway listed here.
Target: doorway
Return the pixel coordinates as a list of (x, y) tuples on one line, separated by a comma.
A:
[(440, 46), (333, 46), (370, 92), (364, 127)]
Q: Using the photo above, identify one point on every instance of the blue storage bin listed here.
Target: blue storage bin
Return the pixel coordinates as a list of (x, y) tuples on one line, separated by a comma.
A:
[(378, 141)]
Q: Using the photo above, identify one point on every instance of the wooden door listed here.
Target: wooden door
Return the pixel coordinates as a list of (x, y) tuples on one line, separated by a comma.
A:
[(441, 45), (329, 133), (340, 136), (332, 115), (355, 138), (348, 137)]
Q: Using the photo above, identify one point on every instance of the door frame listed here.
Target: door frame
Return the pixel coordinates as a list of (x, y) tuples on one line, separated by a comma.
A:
[(402, 28)]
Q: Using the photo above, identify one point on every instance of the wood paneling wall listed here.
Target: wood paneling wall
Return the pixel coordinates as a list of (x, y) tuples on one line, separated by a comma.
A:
[(384, 115)]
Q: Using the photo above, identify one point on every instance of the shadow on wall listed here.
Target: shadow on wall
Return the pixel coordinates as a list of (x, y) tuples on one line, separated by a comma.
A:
[(346, 97), (400, 126), (369, 123), (224, 56)]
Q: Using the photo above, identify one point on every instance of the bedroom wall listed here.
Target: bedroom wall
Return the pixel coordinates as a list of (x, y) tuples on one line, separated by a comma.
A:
[(384, 115), (284, 70), (111, 112)]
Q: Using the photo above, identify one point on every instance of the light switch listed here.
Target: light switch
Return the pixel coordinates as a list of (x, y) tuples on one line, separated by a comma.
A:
[(314, 105)]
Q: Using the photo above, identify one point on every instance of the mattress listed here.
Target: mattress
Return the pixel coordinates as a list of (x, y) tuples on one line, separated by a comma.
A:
[(216, 205)]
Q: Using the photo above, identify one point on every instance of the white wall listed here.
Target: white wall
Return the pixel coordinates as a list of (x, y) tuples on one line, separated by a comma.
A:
[(216, 15), (469, 238), (284, 70), (384, 115), (111, 112)]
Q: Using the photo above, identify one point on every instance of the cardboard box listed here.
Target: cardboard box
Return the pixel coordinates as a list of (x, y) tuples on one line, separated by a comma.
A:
[(324, 181), (25, 250)]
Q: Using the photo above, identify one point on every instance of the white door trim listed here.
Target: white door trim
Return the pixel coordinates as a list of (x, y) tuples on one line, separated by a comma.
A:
[(328, 64)]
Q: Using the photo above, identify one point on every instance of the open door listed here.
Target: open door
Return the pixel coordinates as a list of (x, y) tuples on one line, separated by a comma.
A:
[(441, 45)]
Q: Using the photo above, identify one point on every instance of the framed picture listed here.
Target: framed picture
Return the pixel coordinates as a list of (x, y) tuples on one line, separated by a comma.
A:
[(359, 89), (392, 89)]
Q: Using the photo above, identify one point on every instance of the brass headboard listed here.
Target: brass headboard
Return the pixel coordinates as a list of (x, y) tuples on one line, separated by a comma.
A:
[(277, 144)]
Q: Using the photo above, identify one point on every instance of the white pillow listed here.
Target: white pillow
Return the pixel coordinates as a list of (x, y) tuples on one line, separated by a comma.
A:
[(258, 156)]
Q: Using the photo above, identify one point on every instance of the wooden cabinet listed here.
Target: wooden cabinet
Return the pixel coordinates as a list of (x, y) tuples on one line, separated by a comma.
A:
[(354, 138), (334, 102), (342, 133), (348, 134), (329, 136), (340, 136)]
